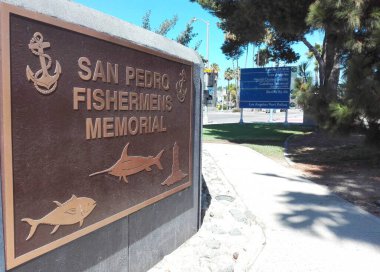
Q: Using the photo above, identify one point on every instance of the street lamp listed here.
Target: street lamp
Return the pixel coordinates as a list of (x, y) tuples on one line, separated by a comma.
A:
[(207, 57), (207, 36)]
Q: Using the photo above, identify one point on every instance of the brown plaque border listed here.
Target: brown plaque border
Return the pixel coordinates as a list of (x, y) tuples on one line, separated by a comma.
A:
[(6, 134)]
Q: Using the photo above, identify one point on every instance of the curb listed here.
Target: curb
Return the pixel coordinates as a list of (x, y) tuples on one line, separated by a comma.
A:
[(286, 154)]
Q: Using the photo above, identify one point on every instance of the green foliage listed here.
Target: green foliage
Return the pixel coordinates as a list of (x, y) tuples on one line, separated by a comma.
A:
[(187, 35), (229, 74), (233, 48), (262, 57), (304, 91), (197, 45), (167, 25), (164, 27), (183, 38), (303, 73), (215, 67), (360, 96), (283, 19), (232, 92), (342, 117), (146, 20), (279, 48), (363, 90)]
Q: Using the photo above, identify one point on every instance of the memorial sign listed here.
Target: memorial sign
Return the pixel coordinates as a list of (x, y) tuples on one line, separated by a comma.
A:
[(265, 88), (93, 128)]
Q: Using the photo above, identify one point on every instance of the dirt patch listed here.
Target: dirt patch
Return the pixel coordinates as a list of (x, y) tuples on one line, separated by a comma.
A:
[(349, 167)]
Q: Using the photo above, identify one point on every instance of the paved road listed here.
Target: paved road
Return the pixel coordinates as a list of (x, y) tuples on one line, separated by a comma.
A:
[(307, 228), (249, 116)]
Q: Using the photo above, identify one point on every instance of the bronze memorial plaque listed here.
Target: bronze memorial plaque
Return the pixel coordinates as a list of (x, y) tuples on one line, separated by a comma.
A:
[(93, 128)]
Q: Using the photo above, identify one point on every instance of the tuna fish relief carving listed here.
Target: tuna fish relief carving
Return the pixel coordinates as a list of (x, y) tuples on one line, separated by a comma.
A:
[(73, 211), (129, 165)]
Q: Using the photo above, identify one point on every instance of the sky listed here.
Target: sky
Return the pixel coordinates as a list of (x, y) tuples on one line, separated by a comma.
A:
[(133, 11)]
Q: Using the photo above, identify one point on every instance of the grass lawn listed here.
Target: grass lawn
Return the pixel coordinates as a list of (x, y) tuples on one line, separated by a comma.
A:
[(267, 139)]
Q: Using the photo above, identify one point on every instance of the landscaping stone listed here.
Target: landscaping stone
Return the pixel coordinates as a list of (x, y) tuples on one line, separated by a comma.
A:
[(235, 232), (238, 215), (225, 197)]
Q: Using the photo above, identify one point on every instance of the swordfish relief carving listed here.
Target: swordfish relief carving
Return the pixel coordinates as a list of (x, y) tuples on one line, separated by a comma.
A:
[(129, 165), (73, 211)]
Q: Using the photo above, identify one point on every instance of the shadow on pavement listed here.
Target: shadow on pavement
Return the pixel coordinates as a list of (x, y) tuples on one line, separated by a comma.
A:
[(205, 199), (317, 213), (280, 177)]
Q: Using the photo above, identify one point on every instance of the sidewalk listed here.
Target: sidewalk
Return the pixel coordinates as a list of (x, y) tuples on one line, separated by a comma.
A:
[(306, 227), (288, 223)]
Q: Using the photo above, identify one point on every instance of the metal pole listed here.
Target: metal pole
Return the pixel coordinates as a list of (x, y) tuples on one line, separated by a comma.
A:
[(286, 116), (241, 116), (246, 56), (238, 91), (228, 95), (222, 100), (207, 38), (270, 115), (253, 55), (207, 41), (205, 120), (258, 57)]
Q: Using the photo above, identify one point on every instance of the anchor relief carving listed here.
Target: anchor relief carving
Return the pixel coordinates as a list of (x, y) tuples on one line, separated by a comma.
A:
[(180, 86), (43, 81)]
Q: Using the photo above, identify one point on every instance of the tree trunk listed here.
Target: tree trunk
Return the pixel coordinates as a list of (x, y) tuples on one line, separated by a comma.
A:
[(237, 87), (228, 95), (328, 64), (330, 71)]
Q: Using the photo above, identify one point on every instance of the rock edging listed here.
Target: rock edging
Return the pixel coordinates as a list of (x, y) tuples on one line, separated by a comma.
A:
[(229, 238)]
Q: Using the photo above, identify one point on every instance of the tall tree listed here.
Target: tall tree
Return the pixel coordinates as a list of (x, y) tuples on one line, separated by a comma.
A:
[(232, 91), (362, 88), (215, 67), (229, 75)]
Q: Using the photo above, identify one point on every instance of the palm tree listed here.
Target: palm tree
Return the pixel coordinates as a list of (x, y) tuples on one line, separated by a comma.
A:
[(302, 71), (229, 75), (215, 68)]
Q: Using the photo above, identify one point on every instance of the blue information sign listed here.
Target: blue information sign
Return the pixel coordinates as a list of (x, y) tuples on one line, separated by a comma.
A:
[(265, 88)]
